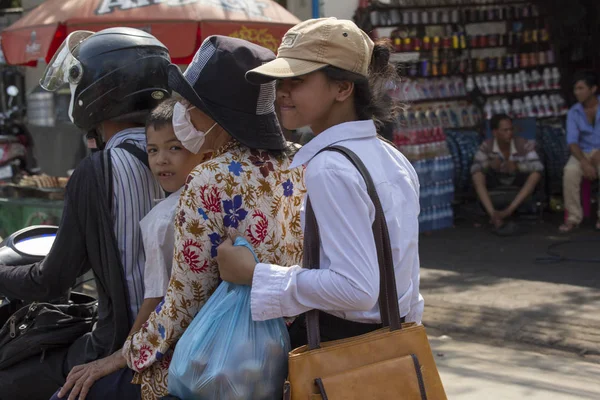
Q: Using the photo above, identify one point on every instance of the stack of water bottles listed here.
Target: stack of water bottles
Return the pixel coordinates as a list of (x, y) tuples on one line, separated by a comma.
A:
[(427, 150)]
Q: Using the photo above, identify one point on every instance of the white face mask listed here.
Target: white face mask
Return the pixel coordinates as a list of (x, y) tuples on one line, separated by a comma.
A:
[(191, 138)]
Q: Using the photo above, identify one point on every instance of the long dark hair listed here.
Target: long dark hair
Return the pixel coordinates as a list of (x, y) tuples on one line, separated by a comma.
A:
[(371, 99)]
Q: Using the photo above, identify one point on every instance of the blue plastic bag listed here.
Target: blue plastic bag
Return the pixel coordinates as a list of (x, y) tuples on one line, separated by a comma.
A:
[(225, 355)]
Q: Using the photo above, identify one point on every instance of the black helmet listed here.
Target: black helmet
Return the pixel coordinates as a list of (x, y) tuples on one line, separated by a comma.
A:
[(114, 74)]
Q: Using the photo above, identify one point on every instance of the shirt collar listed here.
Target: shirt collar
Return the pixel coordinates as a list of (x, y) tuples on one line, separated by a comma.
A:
[(335, 134), (513, 147), (131, 134), (579, 107)]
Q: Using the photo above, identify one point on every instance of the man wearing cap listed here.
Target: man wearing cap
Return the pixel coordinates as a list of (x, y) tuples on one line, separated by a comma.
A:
[(116, 77), (245, 184)]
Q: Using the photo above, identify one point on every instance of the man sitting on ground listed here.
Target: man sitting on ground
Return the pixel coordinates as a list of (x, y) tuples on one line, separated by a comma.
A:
[(503, 163)]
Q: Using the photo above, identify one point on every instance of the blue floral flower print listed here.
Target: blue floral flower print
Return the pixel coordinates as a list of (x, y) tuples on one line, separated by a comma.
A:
[(161, 330), (159, 306), (203, 214), (235, 168), (159, 355), (288, 188), (234, 213), (215, 241)]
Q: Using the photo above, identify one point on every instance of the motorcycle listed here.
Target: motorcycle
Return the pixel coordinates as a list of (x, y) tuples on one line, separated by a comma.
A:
[(26, 246), (16, 143)]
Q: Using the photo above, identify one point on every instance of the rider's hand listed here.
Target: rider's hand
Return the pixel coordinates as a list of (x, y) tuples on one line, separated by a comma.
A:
[(82, 377)]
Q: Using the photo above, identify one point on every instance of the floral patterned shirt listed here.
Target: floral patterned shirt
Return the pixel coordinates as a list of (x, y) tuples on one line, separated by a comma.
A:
[(249, 190)]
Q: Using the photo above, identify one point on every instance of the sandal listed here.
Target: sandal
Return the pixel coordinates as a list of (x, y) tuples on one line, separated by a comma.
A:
[(568, 227)]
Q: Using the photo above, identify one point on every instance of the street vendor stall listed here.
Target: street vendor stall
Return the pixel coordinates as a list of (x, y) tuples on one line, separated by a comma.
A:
[(33, 40)]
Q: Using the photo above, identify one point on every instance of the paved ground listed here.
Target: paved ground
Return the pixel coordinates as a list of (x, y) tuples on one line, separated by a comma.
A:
[(475, 371), (477, 283)]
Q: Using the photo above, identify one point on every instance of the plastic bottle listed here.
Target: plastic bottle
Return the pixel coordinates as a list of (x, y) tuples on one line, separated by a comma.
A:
[(494, 84), (450, 168), (488, 110), (435, 225), (430, 219), (470, 84), (529, 107), (460, 87), (505, 106), (517, 108), (485, 82), (479, 81), (554, 105), (546, 105), (445, 168), (497, 107), (563, 105), (548, 81), (537, 106), (425, 221), (501, 84), (449, 216), (509, 83), (436, 169), (536, 81), (555, 78), (525, 81), (517, 83), (443, 215)]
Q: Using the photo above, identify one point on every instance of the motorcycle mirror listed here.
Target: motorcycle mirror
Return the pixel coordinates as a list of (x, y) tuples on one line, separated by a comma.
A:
[(12, 91)]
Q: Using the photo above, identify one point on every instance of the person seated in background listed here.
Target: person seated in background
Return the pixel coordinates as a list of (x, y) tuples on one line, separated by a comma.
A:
[(505, 163), (583, 138)]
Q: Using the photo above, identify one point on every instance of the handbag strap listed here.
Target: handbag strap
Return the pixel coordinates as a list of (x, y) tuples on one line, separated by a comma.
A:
[(388, 297)]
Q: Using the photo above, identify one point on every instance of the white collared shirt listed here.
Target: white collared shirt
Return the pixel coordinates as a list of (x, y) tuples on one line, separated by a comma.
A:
[(158, 235), (347, 283)]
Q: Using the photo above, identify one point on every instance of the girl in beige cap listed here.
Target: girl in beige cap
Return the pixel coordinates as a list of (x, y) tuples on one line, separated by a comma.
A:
[(333, 78)]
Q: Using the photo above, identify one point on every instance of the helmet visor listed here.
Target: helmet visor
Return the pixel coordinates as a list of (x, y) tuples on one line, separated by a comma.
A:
[(64, 66)]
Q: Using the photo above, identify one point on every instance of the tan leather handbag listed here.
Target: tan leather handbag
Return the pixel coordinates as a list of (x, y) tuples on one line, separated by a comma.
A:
[(394, 362)]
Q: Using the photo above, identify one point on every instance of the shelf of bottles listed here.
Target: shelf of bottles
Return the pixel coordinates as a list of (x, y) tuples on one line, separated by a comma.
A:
[(446, 49), (420, 137), (427, 150), (502, 48), (534, 93)]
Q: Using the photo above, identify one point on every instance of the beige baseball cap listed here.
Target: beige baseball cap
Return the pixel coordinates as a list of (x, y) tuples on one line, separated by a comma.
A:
[(315, 44)]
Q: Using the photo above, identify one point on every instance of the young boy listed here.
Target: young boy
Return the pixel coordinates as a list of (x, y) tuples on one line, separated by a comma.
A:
[(171, 163)]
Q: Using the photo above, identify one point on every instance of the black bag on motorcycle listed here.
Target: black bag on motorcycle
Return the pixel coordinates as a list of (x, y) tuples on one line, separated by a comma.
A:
[(37, 327)]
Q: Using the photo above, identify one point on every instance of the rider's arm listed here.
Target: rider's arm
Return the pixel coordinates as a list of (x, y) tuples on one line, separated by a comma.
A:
[(51, 278)]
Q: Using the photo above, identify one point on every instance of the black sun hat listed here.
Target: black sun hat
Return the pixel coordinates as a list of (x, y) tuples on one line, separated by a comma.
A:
[(215, 83)]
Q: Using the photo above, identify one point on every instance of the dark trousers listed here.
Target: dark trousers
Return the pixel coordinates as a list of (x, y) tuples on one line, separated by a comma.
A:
[(332, 328), (116, 386), (33, 379), (503, 189)]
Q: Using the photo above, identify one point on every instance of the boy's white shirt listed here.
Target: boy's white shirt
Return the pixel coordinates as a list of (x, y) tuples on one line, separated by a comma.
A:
[(158, 234)]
